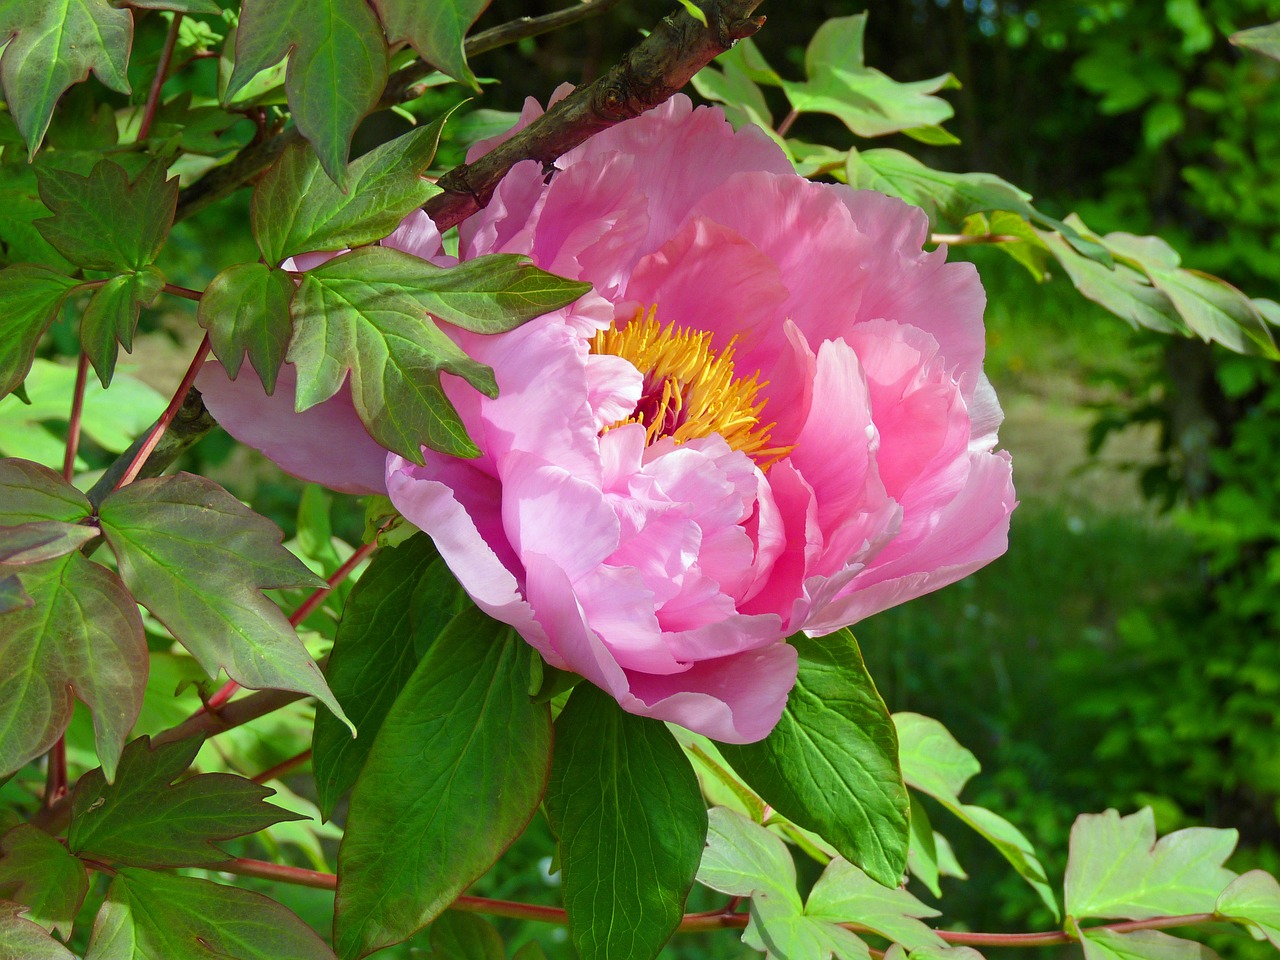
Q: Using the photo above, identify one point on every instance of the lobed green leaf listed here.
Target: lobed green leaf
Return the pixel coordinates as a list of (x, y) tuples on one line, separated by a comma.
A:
[(1141, 945), (145, 819), (42, 540), (52, 45), (30, 298), (1253, 899), (82, 632), (457, 770), (295, 209), (831, 763), (631, 822), (1117, 868), (198, 559), (20, 939), (337, 67), (107, 220), (366, 313), (844, 894), (38, 872), (436, 31), (111, 317), (160, 916), (245, 309), (1264, 40)]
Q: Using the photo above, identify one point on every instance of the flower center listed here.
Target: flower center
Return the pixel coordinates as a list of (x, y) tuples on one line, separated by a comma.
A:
[(689, 390)]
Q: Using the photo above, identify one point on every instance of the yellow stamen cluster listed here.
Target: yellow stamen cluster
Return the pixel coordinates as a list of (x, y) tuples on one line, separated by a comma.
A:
[(689, 389)]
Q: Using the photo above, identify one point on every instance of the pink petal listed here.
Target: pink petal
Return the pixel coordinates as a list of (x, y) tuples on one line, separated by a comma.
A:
[(324, 444)]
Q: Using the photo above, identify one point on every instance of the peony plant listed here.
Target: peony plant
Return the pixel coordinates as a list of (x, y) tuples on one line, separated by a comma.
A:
[(648, 402)]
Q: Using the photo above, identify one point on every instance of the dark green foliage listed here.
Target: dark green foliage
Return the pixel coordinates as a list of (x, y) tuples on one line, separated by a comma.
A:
[(632, 824)]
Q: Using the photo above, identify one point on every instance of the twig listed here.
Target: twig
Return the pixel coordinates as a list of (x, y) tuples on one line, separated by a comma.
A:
[(179, 398), (785, 126), (162, 72), (970, 239), (55, 790), (283, 767), (648, 74), (401, 86), (73, 421)]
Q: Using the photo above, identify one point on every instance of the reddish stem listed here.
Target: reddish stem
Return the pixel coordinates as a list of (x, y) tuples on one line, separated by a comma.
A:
[(186, 292), (170, 412), (228, 689), (786, 123), (56, 783), (73, 422), (283, 767), (162, 73)]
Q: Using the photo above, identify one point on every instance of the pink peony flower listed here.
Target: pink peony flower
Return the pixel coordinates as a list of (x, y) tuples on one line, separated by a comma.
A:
[(768, 416)]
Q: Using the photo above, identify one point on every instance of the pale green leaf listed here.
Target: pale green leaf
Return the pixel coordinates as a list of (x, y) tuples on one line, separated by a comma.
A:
[(1264, 40), (1117, 868), (844, 894), (1253, 898), (20, 939), (743, 859), (1141, 945)]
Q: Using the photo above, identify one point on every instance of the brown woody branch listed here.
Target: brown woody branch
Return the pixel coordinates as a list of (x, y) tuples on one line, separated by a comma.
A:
[(649, 74)]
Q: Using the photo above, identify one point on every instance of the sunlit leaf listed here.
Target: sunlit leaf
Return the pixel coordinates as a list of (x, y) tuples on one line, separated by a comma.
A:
[(391, 617), (366, 313), (37, 872), (246, 310), (1253, 898), (1264, 40), (845, 894), (435, 30), (337, 66), (866, 100), (1117, 868), (53, 44), (934, 763), (160, 916), (831, 763), (295, 209), (1141, 945), (199, 560), (457, 770), (630, 819), (145, 819)]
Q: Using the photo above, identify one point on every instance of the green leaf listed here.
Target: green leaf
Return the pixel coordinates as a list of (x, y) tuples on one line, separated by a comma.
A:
[(631, 822), (82, 633), (465, 936), (146, 820), (435, 30), (246, 310), (922, 857), (105, 220), (743, 859), (297, 210), (946, 197), (1253, 899), (42, 540), (1120, 289), (37, 871), (457, 770), (20, 939), (934, 763), (777, 928), (384, 631), (34, 493), (52, 45), (845, 894), (198, 559), (1141, 945), (1116, 867), (1212, 308), (160, 916), (30, 298), (831, 763), (112, 316), (867, 101), (337, 67), (1264, 40), (12, 596), (366, 312)]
